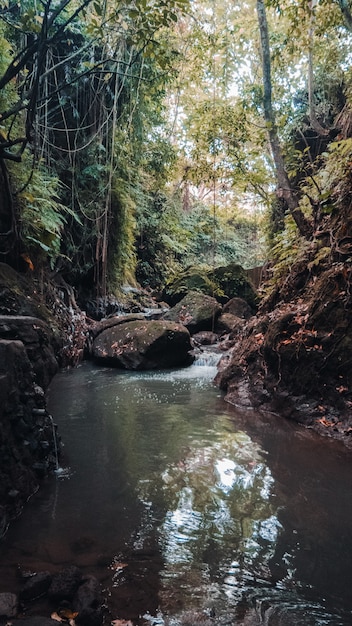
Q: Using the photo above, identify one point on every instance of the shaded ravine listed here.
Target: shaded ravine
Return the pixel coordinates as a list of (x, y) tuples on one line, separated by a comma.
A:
[(179, 502)]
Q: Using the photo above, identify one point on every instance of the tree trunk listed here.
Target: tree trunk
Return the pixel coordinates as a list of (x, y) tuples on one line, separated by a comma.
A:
[(284, 186), (346, 12), (315, 124)]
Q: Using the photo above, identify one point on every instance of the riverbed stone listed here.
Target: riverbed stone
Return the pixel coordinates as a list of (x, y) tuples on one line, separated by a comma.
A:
[(205, 338), (142, 345), (238, 307), (196, 311), (8, 604), (87, 602), (35, 586), (228, 323), (65, 583), (114, 320)]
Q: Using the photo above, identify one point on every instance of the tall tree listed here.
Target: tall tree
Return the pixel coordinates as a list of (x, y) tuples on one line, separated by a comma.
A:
[(284, 189)]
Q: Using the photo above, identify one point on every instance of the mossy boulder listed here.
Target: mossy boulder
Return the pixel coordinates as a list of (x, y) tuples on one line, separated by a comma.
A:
[(238, 307), (192, 279), (222, 283), (197, 311), (142, 345), (232, 281), (228, 323)]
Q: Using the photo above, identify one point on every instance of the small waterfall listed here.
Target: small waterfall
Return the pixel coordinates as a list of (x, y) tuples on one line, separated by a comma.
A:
[(56, 450), (207, 358), (61, 472)]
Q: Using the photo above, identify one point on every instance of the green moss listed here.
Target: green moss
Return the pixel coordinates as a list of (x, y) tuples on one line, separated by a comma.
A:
[(222, 283)]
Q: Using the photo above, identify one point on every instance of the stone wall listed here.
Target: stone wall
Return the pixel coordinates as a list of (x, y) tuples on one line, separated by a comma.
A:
[(28, 440)]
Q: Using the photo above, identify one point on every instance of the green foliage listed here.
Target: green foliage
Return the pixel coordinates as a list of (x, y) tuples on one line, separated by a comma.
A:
[(122, 235), (221, 282), (43, 216), (150, 115), (172, 239), (287, 248), (196, 278)]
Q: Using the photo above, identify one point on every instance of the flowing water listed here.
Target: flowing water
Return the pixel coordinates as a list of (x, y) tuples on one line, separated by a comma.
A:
[(184, 506)]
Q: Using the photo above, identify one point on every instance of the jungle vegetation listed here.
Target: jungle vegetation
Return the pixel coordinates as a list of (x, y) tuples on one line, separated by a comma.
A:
[(141, 137)]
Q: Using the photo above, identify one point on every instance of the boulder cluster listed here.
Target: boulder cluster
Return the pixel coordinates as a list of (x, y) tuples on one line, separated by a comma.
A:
[(134, 342), (41, 332), (75, 598)]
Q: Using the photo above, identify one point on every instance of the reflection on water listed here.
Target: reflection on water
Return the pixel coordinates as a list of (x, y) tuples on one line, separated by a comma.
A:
[(179, 502)]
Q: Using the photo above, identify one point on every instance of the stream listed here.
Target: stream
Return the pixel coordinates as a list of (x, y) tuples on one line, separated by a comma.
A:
[(185, 507)]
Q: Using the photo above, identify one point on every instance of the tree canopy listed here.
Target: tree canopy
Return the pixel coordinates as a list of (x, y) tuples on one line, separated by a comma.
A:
[(139, 137)]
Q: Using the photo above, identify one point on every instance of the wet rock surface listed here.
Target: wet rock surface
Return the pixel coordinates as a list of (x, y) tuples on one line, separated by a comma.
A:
[(66, 596), (196, 311), (28, 441), (38, 341), (143, 344), (29, 344), (8, 605), (223, 283)]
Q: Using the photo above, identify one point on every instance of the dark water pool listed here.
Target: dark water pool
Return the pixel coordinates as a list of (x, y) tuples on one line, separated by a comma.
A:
[(179, 502)]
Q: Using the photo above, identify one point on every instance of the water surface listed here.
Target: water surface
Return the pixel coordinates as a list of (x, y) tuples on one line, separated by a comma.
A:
[(178, 501)]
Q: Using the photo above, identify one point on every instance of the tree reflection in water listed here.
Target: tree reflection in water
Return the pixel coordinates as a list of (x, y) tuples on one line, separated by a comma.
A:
[(186, 503)]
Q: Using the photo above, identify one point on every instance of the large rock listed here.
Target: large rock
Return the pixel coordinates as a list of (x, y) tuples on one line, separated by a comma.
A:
[(8, 605), (238, 307), (191, 279), (196, 311), (35, 586), (234, 314), (142, 344), (114, 320), (37, 338), (65, 583), (228, 323), (88, 602), (233, 282), (222, 283)]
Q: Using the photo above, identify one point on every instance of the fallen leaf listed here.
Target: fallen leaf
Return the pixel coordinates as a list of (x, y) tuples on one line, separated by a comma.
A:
[(117, 566), (325, 422), (67, 614), (28, 260), (341, 389)]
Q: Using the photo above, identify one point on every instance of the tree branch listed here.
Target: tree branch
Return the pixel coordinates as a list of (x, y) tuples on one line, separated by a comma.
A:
[(315, 124), (346, 12)]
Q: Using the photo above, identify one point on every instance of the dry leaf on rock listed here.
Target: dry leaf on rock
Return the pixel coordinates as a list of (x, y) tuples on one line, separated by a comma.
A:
[(118, 565), (68, 614)]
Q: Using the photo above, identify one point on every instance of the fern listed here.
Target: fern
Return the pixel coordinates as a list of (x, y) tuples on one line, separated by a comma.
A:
[(43, 216)]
